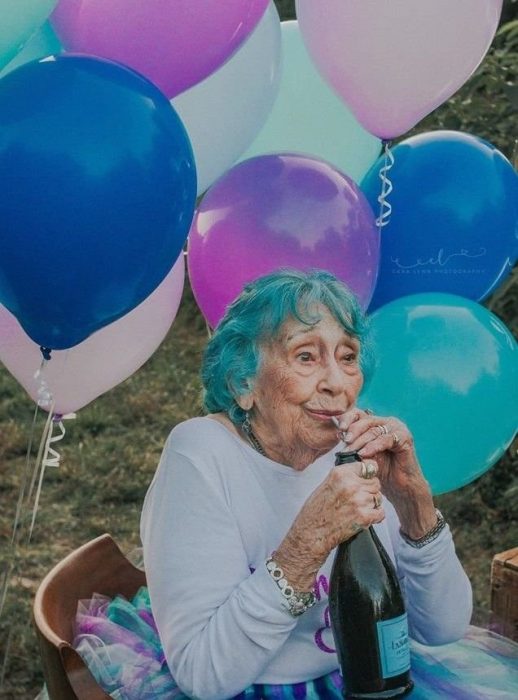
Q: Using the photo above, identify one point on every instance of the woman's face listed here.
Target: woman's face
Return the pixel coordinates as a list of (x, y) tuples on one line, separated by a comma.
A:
[(307, 375)]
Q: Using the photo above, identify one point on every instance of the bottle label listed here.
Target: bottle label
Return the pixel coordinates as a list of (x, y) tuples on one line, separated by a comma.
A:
[(394, 646)]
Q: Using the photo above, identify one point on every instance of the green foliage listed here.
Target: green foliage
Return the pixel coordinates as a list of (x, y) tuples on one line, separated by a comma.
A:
[(286, 9), (487, 104)]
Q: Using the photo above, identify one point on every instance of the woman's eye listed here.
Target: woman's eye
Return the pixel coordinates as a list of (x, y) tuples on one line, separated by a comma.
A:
[(305, 356), (350, 358)]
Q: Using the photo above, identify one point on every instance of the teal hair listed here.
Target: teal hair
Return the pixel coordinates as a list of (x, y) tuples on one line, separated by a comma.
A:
[(232, 356)]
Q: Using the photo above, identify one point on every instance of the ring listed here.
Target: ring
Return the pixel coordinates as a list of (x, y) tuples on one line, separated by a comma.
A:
[(377, 501), (395, 439), (369, 412), (381, 430), (368, 470)]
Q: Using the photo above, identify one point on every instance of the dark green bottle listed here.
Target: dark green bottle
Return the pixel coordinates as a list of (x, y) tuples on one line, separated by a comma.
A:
[(368, 616)]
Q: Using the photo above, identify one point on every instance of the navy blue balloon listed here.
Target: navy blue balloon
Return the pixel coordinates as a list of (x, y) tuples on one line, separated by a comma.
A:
[(97, 193), (454, 221)]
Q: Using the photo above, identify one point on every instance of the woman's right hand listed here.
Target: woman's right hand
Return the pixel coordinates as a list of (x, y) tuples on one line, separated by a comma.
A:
[(339, 508)]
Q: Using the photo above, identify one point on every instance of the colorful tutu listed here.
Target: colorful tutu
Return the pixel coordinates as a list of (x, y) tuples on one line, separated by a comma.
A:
[(118, 641)]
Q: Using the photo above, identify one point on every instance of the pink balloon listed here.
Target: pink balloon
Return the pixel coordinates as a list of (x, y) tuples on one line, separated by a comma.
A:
[(174, 43), (280, 211), (79, 375), (394, 62)]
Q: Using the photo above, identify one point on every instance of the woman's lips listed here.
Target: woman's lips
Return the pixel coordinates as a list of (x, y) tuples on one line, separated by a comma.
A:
[(325, 415)]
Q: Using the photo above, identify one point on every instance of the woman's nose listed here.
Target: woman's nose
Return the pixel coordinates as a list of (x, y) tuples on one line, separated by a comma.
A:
[(332, 379)]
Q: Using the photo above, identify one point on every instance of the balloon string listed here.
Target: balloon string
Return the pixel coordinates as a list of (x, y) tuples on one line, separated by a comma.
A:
[(386, 187), (45, 400), (25, 478), (6, 577), (39, 457), (11, 559), (49, 458), (3, 670), (44, 393)]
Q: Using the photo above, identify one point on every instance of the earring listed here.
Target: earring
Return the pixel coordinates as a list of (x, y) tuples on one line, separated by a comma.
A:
[(246, 425)]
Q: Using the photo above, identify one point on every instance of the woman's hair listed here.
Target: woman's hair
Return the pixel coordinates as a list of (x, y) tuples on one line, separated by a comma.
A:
[(232, 356)]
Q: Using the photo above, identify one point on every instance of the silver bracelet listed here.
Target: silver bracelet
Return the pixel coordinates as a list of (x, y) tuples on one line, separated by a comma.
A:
[(296, 602), (428, 537)]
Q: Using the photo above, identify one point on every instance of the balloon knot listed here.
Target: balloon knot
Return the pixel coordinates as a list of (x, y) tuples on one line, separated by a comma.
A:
[(45, 352)]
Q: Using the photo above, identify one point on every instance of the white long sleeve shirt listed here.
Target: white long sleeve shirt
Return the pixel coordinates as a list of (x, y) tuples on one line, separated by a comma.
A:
[(214, 512)]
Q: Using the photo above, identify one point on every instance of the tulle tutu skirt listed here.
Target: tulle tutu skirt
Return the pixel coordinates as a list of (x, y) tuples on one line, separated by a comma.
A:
[(118, 641)]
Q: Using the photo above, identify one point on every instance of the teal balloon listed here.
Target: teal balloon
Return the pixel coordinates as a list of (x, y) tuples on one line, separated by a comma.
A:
[(310, 119), (43, 43), (19, 19), (448, 368)]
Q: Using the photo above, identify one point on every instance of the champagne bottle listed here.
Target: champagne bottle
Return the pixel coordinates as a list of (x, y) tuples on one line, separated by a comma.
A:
[(368, 616)]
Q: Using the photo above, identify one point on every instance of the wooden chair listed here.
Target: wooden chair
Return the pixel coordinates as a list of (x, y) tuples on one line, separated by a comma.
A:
[(504, 593), (97, 567)]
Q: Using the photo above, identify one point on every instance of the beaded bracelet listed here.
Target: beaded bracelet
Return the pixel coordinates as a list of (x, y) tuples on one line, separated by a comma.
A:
[(295, 602), (428, 537)]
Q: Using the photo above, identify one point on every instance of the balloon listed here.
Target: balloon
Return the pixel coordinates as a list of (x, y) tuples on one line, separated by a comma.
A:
[(173, 43), (20, 19), (308, 117), (99, 187), (454, 221), (279, 211), (223, 113), (77, 376), (43, 43), (394, 62), (448, 368)]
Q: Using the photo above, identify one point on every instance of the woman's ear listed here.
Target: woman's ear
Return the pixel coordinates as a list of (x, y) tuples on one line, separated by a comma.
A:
[(245, 401)]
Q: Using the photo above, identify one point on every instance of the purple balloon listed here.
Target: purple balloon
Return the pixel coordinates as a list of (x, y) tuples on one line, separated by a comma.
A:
[(280, 211), (174, 43)]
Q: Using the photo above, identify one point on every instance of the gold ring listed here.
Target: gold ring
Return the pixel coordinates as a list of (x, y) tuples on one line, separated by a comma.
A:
[(372, 470), (377, 501), (395, 439), (368, 470)]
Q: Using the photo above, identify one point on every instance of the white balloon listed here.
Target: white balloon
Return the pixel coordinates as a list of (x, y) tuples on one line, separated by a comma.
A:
[(310, 119), (224, 112)]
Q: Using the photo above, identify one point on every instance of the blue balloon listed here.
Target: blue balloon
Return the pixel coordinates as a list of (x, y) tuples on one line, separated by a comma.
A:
[(98, 188), (448, 368), (454, 221)]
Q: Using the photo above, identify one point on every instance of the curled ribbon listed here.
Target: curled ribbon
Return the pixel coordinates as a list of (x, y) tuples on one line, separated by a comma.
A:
[(386, 187), (47, 457)]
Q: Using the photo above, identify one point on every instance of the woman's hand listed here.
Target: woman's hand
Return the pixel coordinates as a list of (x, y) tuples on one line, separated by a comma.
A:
[(390, 443), (339, 508)]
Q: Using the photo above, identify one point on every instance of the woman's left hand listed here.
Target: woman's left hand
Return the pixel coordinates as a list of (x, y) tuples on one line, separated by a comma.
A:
[(389, 441)]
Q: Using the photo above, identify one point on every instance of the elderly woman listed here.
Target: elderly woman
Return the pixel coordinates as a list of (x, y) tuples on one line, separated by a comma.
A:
[(254, 482)]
